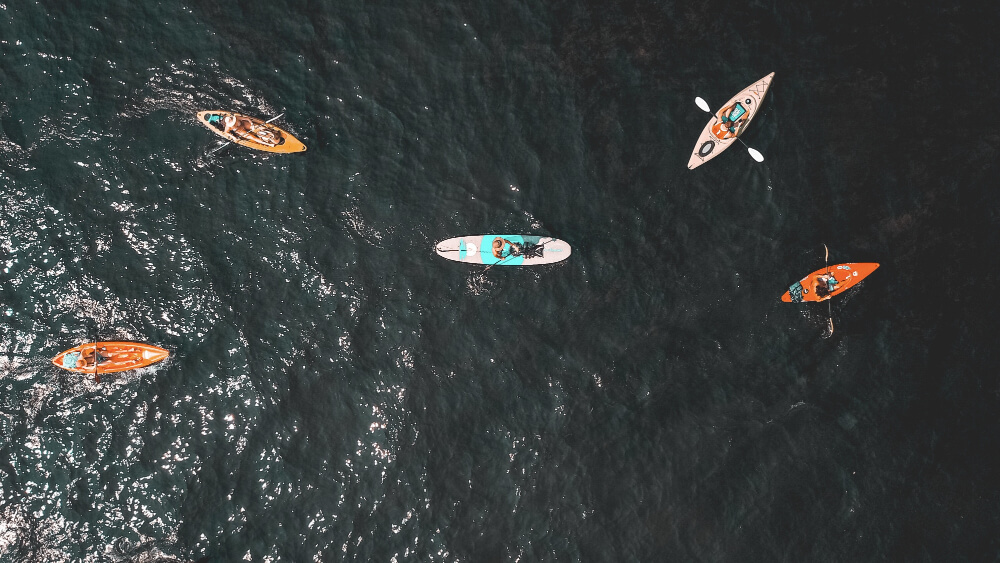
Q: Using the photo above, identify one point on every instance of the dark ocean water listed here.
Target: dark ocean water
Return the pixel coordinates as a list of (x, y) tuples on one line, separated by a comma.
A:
[(338, 392)]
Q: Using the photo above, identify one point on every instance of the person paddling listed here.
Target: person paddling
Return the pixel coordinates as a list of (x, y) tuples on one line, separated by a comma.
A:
[(86, 359), (242, 127), (734, 118), (824, 285)]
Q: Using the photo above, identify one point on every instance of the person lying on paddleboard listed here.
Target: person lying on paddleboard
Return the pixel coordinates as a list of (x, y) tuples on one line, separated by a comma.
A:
[(824, 285), (498, 248)]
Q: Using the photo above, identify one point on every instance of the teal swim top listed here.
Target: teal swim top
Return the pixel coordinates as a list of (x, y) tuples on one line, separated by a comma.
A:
[(738, 111)]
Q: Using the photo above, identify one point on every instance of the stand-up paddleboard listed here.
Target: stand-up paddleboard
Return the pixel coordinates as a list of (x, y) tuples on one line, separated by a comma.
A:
[(251, 132), (114, 357), (478, 249), (847, 276), (735, 114)]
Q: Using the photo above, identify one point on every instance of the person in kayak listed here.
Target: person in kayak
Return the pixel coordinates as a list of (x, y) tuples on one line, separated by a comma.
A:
[(734, 126), (87, 358), (824, 285), (734, 118), (500, 243), (269, 137), (236, 125), (242, 127)]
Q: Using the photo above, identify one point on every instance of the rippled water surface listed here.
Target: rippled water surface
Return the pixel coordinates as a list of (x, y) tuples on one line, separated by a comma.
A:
[(336, 391)]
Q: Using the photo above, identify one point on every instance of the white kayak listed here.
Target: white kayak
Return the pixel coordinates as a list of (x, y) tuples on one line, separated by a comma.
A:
[(729, 122), (516, 250)]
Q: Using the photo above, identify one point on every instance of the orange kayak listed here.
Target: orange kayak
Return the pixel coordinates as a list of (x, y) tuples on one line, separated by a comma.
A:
[(846, 276), (251, 132), (114, 357)]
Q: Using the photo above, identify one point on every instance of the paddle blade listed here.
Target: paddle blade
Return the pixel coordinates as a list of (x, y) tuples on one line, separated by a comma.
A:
[(702, 104), (829, 315), (755, 154), (219, 148)]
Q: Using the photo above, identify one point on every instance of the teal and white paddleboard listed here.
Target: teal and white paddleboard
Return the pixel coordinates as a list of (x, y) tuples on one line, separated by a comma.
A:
[(478, 249)]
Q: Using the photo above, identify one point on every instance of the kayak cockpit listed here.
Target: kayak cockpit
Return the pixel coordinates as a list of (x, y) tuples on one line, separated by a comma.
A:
[(250, 131)]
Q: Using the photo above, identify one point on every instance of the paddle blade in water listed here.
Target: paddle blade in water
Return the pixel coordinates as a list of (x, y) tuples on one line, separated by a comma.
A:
[(755, 154), (702, 104)]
